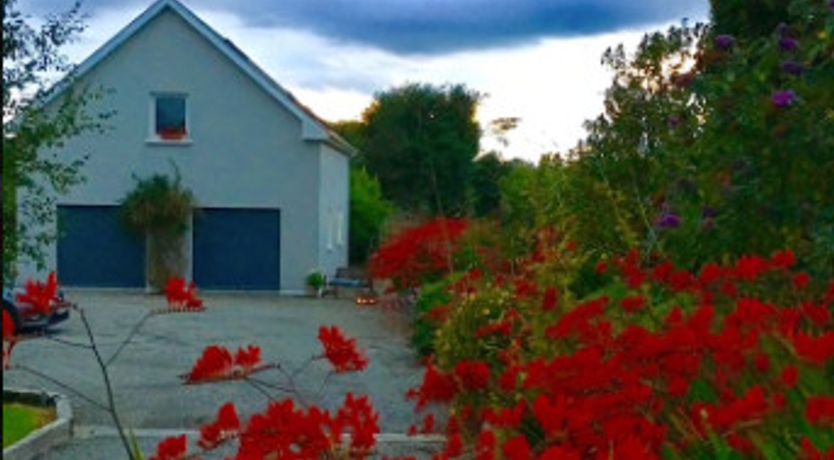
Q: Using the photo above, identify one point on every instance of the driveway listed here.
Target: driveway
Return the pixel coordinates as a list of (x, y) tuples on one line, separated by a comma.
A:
[(149, 394)]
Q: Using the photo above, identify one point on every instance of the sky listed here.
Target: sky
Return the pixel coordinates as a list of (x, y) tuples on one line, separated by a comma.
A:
[(538, 60)]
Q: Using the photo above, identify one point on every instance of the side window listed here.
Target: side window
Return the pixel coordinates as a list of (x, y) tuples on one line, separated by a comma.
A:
[(170, 120), (340, 223)]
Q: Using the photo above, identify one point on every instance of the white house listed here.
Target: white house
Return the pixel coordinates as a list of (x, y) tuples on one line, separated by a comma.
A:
[(271, 179)]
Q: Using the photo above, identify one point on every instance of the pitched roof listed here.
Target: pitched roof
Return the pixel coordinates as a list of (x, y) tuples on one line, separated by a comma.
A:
[(312, 127)]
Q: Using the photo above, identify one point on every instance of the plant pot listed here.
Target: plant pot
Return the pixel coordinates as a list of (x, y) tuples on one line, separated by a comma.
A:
[(172, 135)]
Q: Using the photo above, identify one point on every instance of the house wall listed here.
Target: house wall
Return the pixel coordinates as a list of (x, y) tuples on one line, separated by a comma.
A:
[(334, 209), (246, 149)]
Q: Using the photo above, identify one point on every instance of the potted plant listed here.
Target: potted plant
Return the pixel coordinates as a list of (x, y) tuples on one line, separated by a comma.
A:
[(159, 210), (316, 281)]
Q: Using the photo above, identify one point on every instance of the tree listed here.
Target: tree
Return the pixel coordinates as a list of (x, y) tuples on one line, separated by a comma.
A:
[(368, 212), (748, 18), (33, 172), (488, 171), (420, 141)]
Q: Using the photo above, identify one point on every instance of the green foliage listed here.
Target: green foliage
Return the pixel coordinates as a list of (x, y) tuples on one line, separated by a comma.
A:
[(160, 209), (369, 211), (158, 204), (488, 171), (748, 18), (316, 280), (432, 297), (34, 172), (420, 141), (691, 131)]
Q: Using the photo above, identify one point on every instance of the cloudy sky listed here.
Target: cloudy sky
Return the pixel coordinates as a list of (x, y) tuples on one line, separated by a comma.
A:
[(534, 59)]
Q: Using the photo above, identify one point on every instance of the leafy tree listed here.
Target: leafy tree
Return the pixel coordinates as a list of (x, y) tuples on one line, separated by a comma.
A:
[(711, 146), (352, 131), (420, 141), (33, 171), (488, 171), (369, 211)]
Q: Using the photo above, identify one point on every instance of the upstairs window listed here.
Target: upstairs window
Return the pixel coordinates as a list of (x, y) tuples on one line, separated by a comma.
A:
[(170, 117)]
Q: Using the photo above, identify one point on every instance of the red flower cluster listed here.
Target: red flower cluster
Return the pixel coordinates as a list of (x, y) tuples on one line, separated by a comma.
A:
[(9, 339), (418, 254), (217, 363), (715, 363), (342, 352), (182, 296), (226, 427), (286, 431), (173, 448), (41, 296)]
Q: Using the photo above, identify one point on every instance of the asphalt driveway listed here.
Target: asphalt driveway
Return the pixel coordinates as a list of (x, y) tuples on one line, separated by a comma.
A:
[(149, 393)]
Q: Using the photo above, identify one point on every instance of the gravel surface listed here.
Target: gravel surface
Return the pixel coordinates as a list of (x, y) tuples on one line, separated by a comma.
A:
[(151, 396)]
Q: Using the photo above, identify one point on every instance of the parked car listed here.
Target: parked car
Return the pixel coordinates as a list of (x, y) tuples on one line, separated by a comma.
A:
[(26, 318)]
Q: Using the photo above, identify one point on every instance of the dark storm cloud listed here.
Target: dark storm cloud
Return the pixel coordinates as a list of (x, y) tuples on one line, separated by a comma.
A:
[(438, 26)]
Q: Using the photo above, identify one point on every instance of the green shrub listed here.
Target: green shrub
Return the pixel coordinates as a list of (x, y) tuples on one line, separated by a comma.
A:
[(432, 297), (369, 211)]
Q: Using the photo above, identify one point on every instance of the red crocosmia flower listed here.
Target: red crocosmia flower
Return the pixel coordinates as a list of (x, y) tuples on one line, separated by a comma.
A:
[(217, 363), (819, 315), (249, 358), (633, 304), (437, 387), (710, 273), (507, 417), (762, 362), (551, 297), (820, 411), (172, 448), (602, 268), (472, 375), (429, 423), (485, 448), (285, 431), (790, 376), (559, 453), (810, 451), (341, 351), (518, 448), (226, 427), (357, 417), (182, 296), (503, 328), (41, 296), (817, 350), (454, 446), (748, 268), (801, 280), (783, 259), (9, 340)]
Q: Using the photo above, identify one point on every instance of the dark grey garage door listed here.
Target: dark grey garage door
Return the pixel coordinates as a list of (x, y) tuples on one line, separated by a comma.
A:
[(94, 249), (237, 248)]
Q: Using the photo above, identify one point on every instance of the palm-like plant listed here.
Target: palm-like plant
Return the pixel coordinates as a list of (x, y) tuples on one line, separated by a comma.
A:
[(159, 208)]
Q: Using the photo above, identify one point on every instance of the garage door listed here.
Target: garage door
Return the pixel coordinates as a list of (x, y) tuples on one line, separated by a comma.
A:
[(237, 248), (95, 250)]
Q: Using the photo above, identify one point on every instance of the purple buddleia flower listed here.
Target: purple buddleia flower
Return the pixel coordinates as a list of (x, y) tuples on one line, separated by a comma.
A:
[(724, 42), (792, 67), (788, 44), (668, 221), (783, 99)]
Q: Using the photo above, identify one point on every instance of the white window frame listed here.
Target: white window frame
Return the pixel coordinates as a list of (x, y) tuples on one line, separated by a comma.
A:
[(330, 229), (153, 137)]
